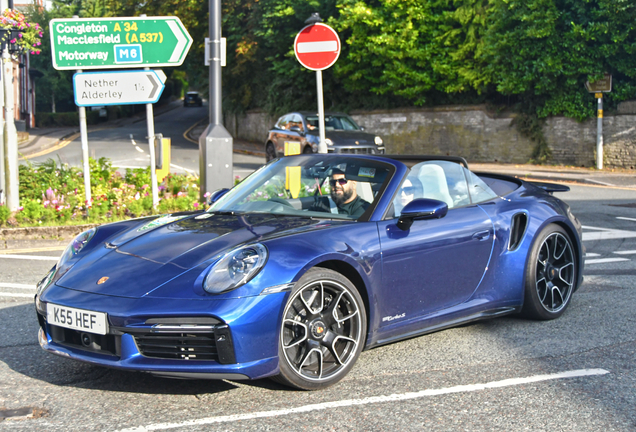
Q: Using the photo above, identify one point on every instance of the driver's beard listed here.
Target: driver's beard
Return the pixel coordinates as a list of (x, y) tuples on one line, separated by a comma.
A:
[(341, 199)]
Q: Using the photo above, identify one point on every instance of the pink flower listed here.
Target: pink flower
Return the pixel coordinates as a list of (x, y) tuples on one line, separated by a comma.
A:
[(196, 204)]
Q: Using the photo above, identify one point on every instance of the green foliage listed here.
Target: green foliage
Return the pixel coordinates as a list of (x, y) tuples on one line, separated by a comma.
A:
[(52, 194), (535, 55), (47, 119), (4, 214)]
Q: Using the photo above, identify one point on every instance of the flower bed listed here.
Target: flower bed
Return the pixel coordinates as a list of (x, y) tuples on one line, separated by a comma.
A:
[(54, 195)]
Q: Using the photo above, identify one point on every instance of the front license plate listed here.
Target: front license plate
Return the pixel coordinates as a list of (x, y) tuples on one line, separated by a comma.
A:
[(76, 319)]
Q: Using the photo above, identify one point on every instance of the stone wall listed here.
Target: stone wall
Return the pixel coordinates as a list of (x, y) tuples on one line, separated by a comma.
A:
[(479, 135)]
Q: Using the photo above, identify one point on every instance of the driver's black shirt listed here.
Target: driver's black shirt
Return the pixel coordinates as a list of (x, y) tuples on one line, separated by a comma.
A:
[(354, 208)]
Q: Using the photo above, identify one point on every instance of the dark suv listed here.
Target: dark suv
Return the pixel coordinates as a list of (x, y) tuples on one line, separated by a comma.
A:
[(192, 99), (342, 135)]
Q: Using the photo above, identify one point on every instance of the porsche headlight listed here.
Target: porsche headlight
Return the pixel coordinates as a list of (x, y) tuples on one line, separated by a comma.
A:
[(378, 140), (235, 268), (75, 247), (328, 142)]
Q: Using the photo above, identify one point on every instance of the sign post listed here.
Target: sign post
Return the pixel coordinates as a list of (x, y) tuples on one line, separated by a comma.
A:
[(317, 47), (599, 87)]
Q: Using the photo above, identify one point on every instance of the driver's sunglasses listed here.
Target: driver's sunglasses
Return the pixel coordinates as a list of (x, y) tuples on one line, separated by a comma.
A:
[(340, 181)]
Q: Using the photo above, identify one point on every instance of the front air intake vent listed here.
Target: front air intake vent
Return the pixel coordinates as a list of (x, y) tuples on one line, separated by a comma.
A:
[(517, 230), (180, 346)]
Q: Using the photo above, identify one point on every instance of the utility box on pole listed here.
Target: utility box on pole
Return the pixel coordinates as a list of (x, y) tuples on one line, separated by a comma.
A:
[(215, 159)]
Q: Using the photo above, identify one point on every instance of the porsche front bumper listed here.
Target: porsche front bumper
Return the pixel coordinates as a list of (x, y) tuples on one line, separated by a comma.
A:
[(216, 339)]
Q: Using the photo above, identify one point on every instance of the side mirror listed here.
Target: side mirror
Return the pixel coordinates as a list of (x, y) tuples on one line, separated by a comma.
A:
[(419, 209), (214, 197)]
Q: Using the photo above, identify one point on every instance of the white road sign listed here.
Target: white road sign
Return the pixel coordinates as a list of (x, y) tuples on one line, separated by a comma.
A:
[(118, 87)]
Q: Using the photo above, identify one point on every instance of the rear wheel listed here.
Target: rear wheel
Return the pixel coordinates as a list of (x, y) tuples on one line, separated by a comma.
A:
[(551, 274), (323, 331)]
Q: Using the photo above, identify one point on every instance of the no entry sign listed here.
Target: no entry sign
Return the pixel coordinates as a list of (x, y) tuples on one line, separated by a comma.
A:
[(317, 46)]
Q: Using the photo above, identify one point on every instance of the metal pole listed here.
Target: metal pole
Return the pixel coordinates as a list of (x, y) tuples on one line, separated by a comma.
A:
[(151, 145), (12, 184), (215, 143), (216, 106), (85, 165), (322, 146), (599, 133)]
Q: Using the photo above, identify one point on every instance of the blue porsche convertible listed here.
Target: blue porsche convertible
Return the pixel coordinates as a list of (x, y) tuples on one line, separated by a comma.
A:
[(307, 262)]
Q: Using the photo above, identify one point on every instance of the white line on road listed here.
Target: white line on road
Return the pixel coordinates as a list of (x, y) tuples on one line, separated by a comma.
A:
[(629, 252), (591, 255), (371, 400), (31, 257), (182, 168), (626, 218), (17, 285), (16, 295), (604, 260), (606, 234)]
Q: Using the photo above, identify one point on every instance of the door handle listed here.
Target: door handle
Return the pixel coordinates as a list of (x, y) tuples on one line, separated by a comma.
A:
[(481, 235)]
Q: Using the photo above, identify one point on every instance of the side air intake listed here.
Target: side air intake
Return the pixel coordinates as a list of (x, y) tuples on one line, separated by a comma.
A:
[(517, 230)]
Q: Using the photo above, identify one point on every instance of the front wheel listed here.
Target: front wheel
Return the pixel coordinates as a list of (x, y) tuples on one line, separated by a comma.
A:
[(551, 274), (323, 331), (270, 152)]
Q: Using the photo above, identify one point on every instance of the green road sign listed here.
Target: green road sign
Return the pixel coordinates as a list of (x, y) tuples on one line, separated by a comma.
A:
[(106, 43)]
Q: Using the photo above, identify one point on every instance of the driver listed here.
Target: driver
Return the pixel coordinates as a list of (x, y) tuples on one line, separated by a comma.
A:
[(344, 195)]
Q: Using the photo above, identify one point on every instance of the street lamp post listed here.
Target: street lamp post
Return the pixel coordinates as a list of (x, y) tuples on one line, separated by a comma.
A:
[(216, 143)]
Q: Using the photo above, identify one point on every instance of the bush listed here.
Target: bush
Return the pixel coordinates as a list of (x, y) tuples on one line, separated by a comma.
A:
[(4, 214), (45, 119), (53, 194)]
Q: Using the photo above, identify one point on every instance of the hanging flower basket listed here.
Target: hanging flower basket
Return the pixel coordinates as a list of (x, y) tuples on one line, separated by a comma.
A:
[(21, 35)]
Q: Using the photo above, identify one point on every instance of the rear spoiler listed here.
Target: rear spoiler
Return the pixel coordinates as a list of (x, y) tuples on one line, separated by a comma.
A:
[(551, 187), (410, 160)]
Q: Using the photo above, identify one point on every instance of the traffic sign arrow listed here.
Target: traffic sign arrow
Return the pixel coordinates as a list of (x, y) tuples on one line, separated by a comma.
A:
[(118, 87), (100, 43)]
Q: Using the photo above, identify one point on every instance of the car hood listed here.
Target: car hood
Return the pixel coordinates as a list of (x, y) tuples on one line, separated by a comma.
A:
[(155, 256), (349, 138)]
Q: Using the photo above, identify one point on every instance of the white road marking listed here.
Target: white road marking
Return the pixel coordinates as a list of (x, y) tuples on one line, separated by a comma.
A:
[(139, 149), (17, 285), (182, 168), (626, 218), (606, 234), (590, 255), (599, 182), (314, 47), (629, 252), (31, 257), (371, 400), (604, 260), (22, 295)]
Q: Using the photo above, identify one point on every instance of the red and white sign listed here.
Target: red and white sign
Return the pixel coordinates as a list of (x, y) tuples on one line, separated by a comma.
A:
[(317, 46)]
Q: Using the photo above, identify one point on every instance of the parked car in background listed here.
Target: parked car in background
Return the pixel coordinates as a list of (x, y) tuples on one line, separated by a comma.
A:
[(192, 99), (342, 135)]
